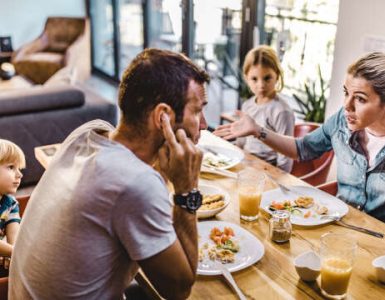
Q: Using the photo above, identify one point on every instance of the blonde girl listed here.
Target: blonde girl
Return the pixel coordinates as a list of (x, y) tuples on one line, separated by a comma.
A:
[(264, 77)]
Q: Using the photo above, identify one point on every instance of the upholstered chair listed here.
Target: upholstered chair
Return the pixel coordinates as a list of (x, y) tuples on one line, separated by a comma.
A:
[(65, 42)]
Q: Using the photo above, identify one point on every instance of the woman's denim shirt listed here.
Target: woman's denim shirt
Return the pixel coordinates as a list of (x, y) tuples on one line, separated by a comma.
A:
[(358, 185)]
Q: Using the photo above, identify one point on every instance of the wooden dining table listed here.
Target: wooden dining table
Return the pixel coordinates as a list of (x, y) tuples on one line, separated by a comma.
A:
[(274, 275)]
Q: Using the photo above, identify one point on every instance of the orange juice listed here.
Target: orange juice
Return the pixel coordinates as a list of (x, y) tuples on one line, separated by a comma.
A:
[(249, 203), (335, 275)]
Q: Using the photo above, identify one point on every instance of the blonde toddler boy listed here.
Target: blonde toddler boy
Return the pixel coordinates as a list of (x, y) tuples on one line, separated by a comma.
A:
[(12, 159)]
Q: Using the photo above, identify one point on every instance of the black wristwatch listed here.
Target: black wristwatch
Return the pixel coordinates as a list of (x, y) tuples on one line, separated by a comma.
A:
[(190, 201)]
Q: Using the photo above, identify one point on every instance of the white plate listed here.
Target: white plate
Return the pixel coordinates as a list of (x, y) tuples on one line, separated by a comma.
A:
[(206, 189), (231, 156), (333, 204), (251, 249)]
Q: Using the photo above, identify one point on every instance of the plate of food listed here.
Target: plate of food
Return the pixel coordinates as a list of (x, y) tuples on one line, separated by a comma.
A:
[(228, 244), (306, 204), (214, 201), (221, 157)]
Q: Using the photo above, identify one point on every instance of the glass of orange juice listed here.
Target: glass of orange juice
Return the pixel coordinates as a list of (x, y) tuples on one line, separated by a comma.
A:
[(250, 188), (337, 256)]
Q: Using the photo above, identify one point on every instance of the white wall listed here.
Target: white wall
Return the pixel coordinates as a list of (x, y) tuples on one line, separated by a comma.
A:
[(357, 20), (24, 20)]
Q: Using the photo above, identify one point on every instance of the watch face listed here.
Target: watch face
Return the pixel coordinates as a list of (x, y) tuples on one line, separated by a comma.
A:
[(194, 200)]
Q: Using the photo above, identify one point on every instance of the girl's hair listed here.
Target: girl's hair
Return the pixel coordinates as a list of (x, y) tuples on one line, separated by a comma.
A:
[(267, 58), (11, 153), (371, 67)]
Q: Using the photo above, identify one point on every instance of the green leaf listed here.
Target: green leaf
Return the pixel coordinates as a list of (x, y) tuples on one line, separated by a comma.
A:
[(302, 105), (314, 104)]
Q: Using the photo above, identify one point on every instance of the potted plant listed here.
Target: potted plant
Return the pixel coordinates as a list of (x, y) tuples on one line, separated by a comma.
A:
[(312, 105)]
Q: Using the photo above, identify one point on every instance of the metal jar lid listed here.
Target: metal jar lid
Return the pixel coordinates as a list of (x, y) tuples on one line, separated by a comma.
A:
[(281, 216)]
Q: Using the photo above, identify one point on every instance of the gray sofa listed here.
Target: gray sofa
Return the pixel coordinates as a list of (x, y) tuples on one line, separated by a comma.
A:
[(46, 115)]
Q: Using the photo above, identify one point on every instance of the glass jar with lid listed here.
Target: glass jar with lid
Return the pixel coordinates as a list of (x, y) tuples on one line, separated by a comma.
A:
[(280, 226)]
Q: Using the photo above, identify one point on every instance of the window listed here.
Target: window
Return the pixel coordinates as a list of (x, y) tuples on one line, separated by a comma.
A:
[(303, 33)]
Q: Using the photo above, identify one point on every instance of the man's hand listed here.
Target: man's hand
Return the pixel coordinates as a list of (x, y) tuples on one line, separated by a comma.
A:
[(243, 127), (179, 158)]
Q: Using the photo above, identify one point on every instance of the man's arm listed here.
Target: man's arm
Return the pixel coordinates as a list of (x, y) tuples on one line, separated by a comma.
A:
[(172, 272)]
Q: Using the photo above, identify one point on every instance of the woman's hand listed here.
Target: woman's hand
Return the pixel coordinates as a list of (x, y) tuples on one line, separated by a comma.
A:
[(243, 127), (179, 158)]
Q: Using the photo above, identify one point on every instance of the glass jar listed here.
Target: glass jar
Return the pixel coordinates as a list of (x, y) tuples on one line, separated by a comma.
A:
[(280, 226)]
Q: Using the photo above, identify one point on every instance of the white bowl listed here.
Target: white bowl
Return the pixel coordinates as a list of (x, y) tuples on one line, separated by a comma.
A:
[(206, 189), (379, 265), (308, 265)]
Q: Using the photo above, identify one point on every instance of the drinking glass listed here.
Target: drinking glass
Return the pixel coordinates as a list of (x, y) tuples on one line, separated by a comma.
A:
[(250, 188), (337, 256)]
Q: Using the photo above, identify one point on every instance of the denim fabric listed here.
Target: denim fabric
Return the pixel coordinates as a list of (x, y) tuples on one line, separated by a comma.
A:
[(358, 185)]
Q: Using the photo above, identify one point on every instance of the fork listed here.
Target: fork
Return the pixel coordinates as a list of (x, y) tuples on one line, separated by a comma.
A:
[(337, 218), (208, 149), (282, 187), (230, 279)]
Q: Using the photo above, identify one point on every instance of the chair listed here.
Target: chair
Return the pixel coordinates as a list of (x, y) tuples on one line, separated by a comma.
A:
[(330, 187), (314, 172), (3, 288), (23, 200), (64, 42), (302, 129)]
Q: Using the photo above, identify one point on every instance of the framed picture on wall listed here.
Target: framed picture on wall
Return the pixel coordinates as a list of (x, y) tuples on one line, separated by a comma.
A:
[(5, 44)]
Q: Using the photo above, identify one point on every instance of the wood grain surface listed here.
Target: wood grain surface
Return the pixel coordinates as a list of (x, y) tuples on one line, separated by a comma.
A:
[(274, 276)]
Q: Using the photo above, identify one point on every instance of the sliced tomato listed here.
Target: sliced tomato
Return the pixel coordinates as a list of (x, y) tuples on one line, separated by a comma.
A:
[(228, 231), (217, 240), (278, 206)]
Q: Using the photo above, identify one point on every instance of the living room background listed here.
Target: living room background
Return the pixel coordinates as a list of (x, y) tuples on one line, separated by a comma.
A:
[(24, 20)]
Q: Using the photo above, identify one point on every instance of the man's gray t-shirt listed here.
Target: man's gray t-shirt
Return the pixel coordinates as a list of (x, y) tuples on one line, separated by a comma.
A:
[(96, 210)]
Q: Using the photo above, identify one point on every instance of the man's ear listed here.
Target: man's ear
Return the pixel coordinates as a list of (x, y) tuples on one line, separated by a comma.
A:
[(162, 108)]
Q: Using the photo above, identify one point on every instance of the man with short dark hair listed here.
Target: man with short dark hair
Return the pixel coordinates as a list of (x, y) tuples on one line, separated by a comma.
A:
[(101, 210)]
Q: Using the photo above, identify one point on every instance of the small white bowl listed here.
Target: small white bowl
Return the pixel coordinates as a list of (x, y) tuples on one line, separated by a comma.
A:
[(206, 189), (379, 265), (308, 265)]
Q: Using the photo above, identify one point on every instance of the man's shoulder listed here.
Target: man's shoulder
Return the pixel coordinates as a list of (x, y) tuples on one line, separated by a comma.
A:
[(88, 130), (121, 166)]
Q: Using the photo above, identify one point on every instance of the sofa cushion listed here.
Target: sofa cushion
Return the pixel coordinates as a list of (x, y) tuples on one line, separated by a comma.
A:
[(57, 46), (48, 57), (15, 102), (65, 76)]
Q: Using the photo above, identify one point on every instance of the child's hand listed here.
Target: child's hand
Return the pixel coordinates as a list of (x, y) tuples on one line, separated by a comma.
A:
[(5, 262)]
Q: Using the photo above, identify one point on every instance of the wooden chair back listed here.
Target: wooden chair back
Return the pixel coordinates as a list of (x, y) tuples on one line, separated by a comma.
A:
[(330, 187), (23, 201), (316, 171), (3, 288)]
